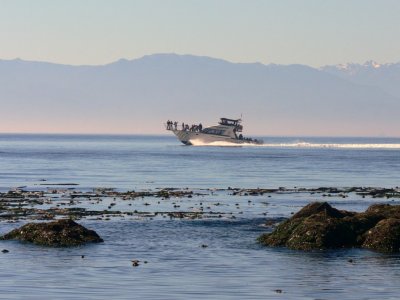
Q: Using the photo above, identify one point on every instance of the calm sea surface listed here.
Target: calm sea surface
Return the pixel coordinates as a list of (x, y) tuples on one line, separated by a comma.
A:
[(233, 266)]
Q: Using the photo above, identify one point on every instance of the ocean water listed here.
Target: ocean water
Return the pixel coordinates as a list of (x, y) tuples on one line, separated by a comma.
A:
[(135, 162), (233, 266)]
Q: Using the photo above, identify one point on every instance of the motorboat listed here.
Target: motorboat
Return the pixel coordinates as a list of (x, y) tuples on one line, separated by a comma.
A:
[(228, 131)]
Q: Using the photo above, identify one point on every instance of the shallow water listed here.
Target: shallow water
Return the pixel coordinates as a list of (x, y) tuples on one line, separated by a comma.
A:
[(233, 266)]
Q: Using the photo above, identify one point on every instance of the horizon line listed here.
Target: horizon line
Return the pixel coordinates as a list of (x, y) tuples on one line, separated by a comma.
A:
[(187, 54)]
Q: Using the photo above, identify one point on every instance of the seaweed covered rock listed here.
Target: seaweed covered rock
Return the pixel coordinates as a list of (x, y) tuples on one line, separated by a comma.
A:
[(320, 207), (316, 226), (384, 237), (320, 226), (384, 211), (60, 233)]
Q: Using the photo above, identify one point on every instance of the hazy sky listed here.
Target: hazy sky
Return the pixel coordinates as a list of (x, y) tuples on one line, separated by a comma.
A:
[(312, 32)]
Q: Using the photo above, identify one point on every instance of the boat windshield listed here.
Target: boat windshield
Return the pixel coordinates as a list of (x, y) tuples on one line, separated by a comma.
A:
[(213, 131), (229, 122)]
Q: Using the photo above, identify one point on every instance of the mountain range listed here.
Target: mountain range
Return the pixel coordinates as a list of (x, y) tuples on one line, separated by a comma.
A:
[(137, 96)]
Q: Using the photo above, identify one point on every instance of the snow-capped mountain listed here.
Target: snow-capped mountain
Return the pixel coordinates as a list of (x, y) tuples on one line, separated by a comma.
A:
[(384, 76)]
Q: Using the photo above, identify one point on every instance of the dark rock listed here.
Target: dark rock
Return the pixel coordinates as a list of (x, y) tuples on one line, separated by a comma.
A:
[(384, 237), (320, 231), (316, 226), (135, 263), (5, 251), (320, 226), (384, 210), (61, 233), (379, 192), (318, 207)]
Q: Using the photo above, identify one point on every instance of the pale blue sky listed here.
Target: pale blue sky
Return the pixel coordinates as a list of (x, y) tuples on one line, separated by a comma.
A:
[(312, 32)]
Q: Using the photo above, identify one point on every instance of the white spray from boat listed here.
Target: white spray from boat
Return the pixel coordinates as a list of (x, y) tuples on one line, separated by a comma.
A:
[(300, 145)]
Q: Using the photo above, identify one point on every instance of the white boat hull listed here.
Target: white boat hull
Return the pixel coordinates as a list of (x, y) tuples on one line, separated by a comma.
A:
[(196, 138)]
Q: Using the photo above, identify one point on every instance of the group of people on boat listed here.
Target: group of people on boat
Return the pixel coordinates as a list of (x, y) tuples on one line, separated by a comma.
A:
[(185, 127), (250, 140), (193, 127), (172, 125)]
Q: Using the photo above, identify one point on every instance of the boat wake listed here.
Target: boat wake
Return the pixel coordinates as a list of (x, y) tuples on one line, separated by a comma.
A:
[(301, 145), (330, 145)]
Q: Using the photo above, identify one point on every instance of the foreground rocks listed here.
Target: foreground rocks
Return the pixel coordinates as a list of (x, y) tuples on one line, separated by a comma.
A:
[(61, 233), (320, 226)]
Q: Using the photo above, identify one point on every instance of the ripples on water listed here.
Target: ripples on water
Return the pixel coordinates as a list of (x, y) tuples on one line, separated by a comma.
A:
[(233, 266), (128, 162)]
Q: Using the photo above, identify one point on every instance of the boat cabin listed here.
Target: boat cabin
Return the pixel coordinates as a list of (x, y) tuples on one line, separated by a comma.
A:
[(233, 123)]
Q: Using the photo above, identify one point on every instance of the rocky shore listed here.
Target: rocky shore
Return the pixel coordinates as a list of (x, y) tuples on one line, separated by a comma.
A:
[(60, 233), (320, 226), (105, 203), (316, 226)]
